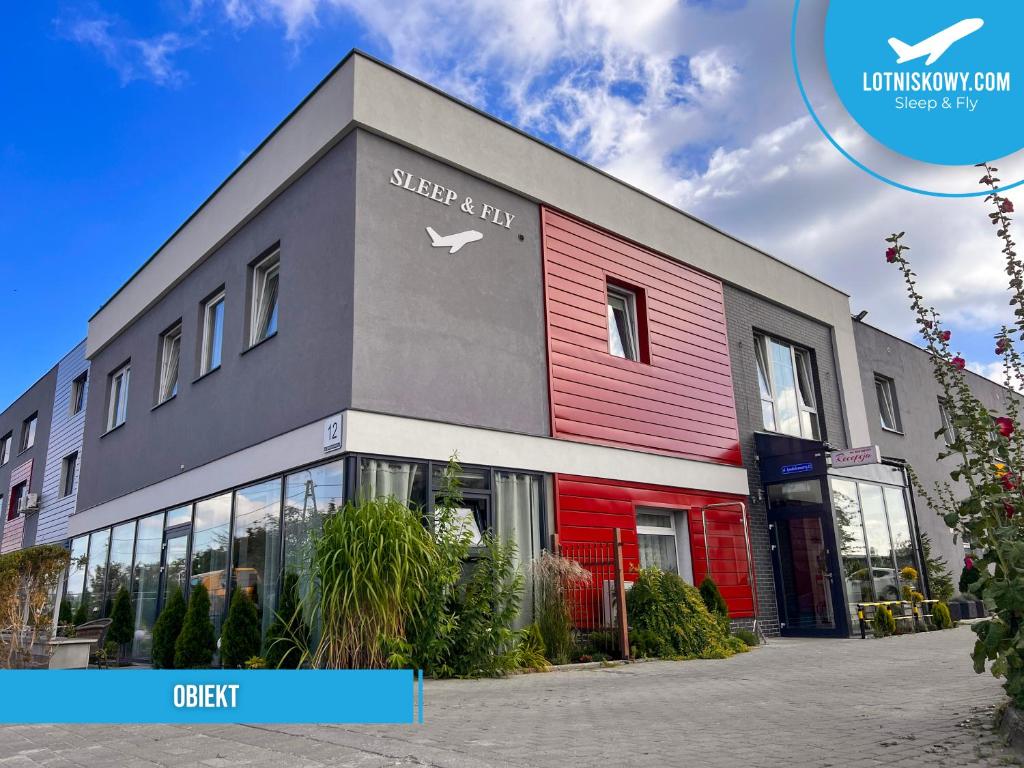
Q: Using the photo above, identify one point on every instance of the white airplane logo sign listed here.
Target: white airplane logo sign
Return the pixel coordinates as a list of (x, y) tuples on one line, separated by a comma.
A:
[(936, 45), (453, 242)]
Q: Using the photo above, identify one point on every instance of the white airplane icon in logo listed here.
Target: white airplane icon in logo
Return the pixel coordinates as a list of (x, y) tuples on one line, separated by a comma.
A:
[(453, 242), (937, 44)]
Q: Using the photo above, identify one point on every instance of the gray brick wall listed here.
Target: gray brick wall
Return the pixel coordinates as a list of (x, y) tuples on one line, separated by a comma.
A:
[(745, 314), (65, 438)]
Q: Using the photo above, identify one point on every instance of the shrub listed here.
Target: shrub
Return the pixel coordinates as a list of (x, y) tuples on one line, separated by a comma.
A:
[(288, 636), (883, 624), (81, 613), (554, 578), (372, 564), (531, 649), (644, 644), (122, 622), (64, 618), (197, 642), (674, 612), (968, 576), (166, 630), (240, 638), (255, 662), (715, 603), (941, 617), (28, 586), (940, 580), (749, 638)]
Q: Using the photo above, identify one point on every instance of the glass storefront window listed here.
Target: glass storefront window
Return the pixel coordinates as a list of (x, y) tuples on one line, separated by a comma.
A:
[(210, 552), (799, 493), (179, 516), (469, 479), (256, 546), (852, 548), (96, 574), (76, 572), (146, 582), (883, 567), (402, 480), (309, 497), (122, 546)]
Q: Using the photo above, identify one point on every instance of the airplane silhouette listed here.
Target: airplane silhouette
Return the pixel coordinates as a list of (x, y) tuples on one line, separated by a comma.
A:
[(453, 242), (937, 44)]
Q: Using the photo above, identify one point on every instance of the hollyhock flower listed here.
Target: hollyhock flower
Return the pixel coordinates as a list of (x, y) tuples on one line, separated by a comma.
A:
[(968, 563), (1009, 482), (1009, 509), (1001, 346), (890, 255), (945, 335), (958, 362), (1006, 206), (1005, 426)]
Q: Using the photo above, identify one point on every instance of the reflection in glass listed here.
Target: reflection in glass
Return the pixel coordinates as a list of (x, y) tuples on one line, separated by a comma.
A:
[(804, 569), (210, 552), (122, 543), (146, 582), (96, 575), (879, 545), (176, 566), (787, 412), (797, 493), (179, 516), (76, 571), (256, 548), (401, 480), (899, 525), (852, 548)]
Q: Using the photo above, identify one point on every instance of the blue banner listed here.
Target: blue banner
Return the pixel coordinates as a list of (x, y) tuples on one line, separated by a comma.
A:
[(211, 696)]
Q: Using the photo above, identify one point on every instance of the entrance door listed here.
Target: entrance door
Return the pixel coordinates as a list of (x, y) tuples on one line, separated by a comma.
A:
[(805, 575), (174, 571)]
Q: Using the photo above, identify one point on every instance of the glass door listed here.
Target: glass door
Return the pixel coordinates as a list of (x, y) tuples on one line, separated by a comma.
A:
[(805, 574), (174, 572)]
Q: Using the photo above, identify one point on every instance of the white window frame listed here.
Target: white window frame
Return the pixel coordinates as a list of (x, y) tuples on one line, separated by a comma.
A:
[(261, 273), (206, 350), (885, 392), (166, 389), (117, 405), (77, 404), (67, 478), (684, 563), (6, 446), (948, 428), (28, 432), (796, 354), (627, 298)]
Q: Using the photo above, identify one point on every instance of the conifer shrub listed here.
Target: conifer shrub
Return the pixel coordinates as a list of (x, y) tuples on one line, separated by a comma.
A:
[(715, 603), (197, 642), (166, 630), (748, 637), (883, 624), (81, 614), (941, 617), (240, 637), (288, 636), (122, 622)]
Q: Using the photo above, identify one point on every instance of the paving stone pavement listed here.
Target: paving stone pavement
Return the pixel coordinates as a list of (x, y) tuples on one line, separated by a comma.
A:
[(905, 701)]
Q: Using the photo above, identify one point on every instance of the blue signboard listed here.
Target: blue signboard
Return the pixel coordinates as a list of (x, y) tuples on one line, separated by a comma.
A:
[(211, 696), (796, 469)]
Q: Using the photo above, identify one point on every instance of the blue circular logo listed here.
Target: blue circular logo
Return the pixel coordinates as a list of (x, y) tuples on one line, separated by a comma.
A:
[(941, 81)]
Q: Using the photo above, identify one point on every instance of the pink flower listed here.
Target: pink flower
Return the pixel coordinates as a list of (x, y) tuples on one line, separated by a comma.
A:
[(945, 335), (1009, 482), (958, 362), (1006, 206), (1005, 426), (890, 255), (968, 563), (1001, 345), (1009, 509)]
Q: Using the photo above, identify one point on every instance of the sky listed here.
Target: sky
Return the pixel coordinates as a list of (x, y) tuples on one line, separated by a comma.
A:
[(120, 118)]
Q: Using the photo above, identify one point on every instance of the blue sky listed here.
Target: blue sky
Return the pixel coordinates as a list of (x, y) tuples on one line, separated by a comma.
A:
[(121, 118)]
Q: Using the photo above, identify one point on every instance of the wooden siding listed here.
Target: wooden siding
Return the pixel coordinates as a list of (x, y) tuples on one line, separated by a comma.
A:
[(587, 509), (681, 401)]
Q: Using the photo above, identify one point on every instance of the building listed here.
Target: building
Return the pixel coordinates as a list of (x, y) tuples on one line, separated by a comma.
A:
[(393, 277), (908, 410)]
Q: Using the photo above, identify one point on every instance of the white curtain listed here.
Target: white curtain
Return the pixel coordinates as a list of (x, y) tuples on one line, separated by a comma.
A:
[(379, 479), (517, 517), (266, 304)]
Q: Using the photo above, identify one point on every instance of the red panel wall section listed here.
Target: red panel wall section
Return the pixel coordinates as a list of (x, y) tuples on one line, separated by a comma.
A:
[(589, 509), (14, 528), (677, 402)]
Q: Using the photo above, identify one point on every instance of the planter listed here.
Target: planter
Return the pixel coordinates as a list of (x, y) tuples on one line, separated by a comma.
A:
[(958, 611)]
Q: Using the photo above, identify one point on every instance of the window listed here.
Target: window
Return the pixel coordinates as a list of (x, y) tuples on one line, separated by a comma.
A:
[(5, 448), (17, 493), (263, 314), (213, 334), (948, 430), (256, 547), (170, 354), (67, 474), (785, 377), (210, 553), (623, 340), (78, 394), (885, 388), (28, 432), (659, 547), (117, 408)]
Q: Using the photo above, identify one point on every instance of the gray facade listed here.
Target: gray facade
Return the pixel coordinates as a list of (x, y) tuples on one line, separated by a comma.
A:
[(917, 404), (746, 315), (38, 399), (66, 430)]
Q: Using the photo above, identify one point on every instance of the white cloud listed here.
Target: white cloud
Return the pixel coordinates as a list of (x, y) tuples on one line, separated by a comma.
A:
[(133, 58)]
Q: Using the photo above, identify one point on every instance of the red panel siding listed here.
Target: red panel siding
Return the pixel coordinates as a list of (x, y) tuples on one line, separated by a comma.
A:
[(680, 401), (587, 509), (14, 527)]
